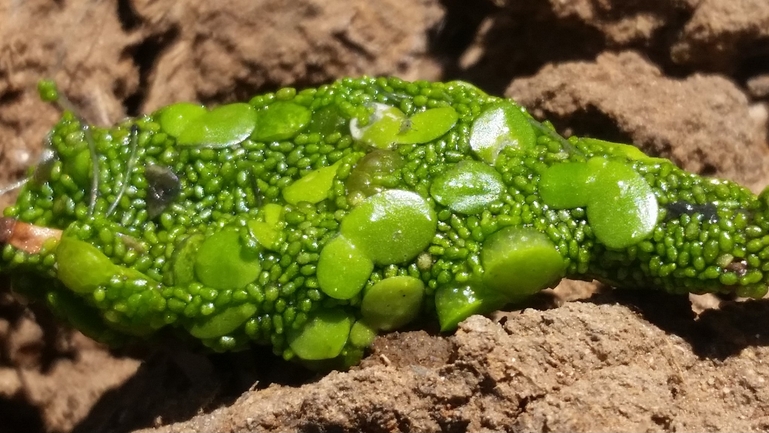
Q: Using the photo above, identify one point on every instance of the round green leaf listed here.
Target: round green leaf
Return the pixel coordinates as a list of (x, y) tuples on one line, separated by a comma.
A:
[(567, 185), (427, 125), (520, 261), (392, 302), (175, 118), (455, 303), (79, 167), (223, 323), (622, 209), (81, 267), (280, 121), (327, 120), (312, 187), (372, 172), (502, 124), (183, 260), (383, 128), (362, 335), (392, 227), (322, 337), (468, 187), (223, 263), (273, 214), (268, 232), (343, 269), (223, 126)]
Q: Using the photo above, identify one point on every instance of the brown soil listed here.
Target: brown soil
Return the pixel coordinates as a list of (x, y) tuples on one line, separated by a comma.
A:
[(687, 79)]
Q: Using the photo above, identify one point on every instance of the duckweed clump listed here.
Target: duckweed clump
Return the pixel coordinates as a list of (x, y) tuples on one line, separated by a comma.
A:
[(311, 220)]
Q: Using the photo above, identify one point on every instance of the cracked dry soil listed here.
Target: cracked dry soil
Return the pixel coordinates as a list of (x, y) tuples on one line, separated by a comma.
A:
[(686, 79)]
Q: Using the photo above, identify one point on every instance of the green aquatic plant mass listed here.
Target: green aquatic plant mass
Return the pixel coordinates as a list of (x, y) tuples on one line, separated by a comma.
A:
[(313, 220)]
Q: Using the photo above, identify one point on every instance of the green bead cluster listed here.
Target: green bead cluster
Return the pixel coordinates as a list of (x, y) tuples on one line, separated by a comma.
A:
[(312, 220)]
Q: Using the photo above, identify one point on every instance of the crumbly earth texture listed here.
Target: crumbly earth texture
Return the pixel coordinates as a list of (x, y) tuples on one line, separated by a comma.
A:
[(679, 81)]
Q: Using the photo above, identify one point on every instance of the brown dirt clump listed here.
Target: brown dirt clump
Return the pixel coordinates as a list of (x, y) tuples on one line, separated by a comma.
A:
[(724, 35), (215, 51), (685, 80), (702, 122), (583, 367)]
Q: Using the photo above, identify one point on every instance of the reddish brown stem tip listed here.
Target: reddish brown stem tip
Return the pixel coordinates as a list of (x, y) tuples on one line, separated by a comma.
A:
[(24, 236), (6, 229)]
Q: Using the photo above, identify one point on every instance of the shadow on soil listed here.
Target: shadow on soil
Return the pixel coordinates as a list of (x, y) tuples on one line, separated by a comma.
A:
[(716, 334), (175, 384)]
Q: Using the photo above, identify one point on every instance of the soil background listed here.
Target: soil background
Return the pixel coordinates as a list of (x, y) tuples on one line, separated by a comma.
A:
[(683, 79)]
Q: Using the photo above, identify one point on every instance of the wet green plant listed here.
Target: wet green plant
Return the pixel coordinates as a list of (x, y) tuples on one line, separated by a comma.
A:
[(312, 220)]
